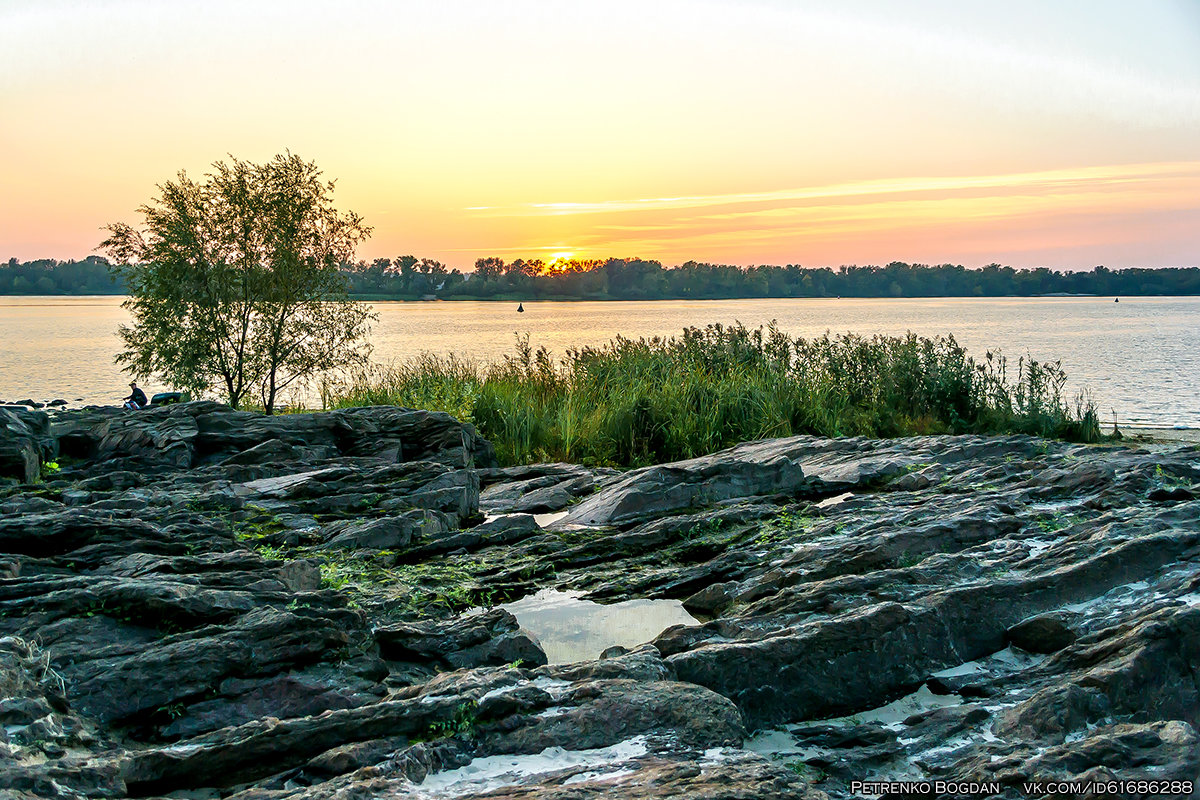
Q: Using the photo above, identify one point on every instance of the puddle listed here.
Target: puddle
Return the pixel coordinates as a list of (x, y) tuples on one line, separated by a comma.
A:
[(1002, 662), (495, 772), (894, 713), (1037, 546), (833, 501), (778, 743), (541, 519), (571, 629), (1054, 506)]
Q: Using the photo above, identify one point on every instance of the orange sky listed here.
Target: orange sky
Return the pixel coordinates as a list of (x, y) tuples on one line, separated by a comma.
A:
[(1028, 133)]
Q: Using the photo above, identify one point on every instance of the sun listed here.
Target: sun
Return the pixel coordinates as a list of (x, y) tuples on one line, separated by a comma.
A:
[(564, 255)]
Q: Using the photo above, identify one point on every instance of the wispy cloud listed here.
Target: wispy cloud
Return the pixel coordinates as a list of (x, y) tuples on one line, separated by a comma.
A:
[(1096, 178), (1094, 206)]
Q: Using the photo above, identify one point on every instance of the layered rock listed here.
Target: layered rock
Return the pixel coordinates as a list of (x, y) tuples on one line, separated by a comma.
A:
[(305, 607)]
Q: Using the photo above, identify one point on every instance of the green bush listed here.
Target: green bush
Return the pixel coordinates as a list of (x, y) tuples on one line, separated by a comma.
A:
[(635, 402)]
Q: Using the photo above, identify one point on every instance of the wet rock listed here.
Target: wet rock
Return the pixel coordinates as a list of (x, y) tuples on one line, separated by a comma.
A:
[(1160, 751)]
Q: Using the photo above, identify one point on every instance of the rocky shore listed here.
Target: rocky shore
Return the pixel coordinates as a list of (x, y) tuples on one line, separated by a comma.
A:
[(201, 603)]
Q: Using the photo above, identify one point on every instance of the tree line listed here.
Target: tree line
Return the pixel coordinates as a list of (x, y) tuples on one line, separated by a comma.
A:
[(412, 278)]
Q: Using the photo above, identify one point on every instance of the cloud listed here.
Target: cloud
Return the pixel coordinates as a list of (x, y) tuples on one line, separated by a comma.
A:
[(1097, 178)]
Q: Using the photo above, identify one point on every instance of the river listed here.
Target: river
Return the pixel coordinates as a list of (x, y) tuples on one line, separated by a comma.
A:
[(1139, 358)]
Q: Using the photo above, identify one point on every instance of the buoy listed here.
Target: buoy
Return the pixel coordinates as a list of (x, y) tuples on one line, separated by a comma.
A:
[(520, 308)]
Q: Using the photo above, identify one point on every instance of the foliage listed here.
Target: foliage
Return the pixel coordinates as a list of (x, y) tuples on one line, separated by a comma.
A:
[(411, 278), (234, 281), (640, 279), (462, 723), (645, 401)]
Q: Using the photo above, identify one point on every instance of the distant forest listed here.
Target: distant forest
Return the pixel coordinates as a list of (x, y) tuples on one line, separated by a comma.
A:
[(410, 278)]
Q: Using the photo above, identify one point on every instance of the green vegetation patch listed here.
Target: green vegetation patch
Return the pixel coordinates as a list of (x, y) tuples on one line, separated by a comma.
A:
[(647, 401)]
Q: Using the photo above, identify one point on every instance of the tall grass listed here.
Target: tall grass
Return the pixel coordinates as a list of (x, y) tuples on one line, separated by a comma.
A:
[(635, 402)]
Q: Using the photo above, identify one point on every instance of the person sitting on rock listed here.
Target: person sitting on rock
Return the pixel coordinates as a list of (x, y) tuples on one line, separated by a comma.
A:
[(137, 398)]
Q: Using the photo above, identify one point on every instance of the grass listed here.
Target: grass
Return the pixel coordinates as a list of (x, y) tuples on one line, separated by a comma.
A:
[(645, 401)]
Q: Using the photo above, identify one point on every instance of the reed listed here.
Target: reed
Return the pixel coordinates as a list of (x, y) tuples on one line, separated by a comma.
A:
[(637, 402)]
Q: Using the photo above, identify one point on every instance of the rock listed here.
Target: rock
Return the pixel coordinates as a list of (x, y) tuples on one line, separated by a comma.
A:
[(556, 497), (643, 664), (271, 451), (384, 533), (604, 712), (1044, 633), (186, 434), (490, 638), (266, 746), (249, 606), (712, 599), (301, 575), (22, 436), (349, 757), (118, 689), (507, 528), (242, 701)]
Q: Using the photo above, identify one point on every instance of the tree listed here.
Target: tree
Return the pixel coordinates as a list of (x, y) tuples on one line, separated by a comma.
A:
[(489, 268), (234, 281)]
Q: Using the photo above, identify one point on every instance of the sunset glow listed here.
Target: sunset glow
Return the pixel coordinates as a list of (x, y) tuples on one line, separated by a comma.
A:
[(737, 132)]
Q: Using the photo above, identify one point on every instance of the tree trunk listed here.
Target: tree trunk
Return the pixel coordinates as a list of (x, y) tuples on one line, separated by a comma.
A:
[(270, 404)]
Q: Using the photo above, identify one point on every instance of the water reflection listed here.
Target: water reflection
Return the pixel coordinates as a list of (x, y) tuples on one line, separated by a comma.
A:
[(571, 629)]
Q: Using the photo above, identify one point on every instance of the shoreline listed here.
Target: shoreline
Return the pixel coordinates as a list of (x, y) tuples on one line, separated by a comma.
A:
[(1140, 434), (514, 298)]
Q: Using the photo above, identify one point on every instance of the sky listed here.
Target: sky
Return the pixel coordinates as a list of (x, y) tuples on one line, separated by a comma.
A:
[(1047, 133)]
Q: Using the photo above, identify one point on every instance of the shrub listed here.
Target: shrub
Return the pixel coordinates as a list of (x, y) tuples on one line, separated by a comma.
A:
[(635, 402)]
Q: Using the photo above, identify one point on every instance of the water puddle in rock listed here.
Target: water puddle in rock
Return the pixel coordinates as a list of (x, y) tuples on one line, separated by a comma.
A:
[(779, 743), (1055, 506), (894, 713), (1006, 661), (571, 629), (541, 519), (494, 772), (829, 502)]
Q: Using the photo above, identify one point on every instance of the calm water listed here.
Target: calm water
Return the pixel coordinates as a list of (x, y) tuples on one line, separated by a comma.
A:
[(1140, 357), (570, 629)]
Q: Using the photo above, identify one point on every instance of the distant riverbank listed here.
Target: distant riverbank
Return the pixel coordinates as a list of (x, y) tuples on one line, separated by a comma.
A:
[(409, 278)]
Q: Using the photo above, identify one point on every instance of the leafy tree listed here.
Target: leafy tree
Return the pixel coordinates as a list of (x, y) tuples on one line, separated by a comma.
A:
[(489, 268), (234, 281)]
